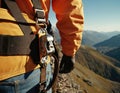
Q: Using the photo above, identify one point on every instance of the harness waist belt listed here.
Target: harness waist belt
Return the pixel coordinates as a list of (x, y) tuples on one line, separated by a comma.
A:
[(18, 45)]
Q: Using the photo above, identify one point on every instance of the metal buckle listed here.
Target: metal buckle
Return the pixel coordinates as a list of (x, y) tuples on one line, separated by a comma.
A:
[(49, 44), (43, 59), (42, 83), (40, 18)]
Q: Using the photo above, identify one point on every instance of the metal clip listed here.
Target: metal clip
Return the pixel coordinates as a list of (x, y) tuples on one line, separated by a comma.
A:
[(39, 20), (49, 44), (40, 16), (46, 42), (44, 59)]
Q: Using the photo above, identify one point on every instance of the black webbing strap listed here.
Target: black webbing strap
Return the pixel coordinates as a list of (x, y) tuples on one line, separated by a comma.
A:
[(43, 88), (0, 3), (14, 45), (37, 4), (16, 13), (17, 22), (39, 12), (18, 45), (39, 16)]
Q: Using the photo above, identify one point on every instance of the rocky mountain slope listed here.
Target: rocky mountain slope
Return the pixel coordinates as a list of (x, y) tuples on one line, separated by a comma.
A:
[(115, 53), (93, 73), (99, 63)]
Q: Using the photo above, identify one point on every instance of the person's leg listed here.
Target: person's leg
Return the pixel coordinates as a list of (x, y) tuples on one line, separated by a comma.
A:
[(49, 76), (25, 83)]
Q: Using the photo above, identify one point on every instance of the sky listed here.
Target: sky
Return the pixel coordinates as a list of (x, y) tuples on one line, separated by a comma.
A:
[(100, 15)]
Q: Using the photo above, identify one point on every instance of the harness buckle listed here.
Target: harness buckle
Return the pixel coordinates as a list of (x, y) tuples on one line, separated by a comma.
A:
[(40, 16)]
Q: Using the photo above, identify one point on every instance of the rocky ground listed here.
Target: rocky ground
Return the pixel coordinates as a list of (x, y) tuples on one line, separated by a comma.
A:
[(65, 84)]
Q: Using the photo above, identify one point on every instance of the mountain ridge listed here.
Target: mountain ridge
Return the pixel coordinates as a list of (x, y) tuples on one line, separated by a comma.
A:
[(102, 76), (103, 65), (115, 53), (91, 38), (108, 44), (112, 42)]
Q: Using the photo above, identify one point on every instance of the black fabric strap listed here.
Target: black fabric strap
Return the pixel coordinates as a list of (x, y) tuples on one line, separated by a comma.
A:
[(37, 4), (19, 45), (13, 45), (39, 16), (39, 12), (15, 11), (18, 22)]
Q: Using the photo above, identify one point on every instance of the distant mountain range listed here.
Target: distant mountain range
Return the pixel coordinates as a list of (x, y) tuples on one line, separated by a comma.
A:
[(102, 41), (112, 42), (91, 38), (115, 53), (109, 44)]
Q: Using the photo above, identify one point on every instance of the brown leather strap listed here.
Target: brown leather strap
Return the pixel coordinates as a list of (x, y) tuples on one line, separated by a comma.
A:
[(43, 80), (0, 3)]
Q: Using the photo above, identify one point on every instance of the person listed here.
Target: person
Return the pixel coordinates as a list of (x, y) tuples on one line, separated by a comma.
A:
[(18, 73)]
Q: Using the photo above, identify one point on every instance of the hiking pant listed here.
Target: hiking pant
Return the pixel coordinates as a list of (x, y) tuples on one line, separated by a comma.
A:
[(25, 83)]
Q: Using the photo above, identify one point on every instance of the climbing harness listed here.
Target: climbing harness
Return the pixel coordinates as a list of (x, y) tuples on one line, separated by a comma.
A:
[(40, 47)]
